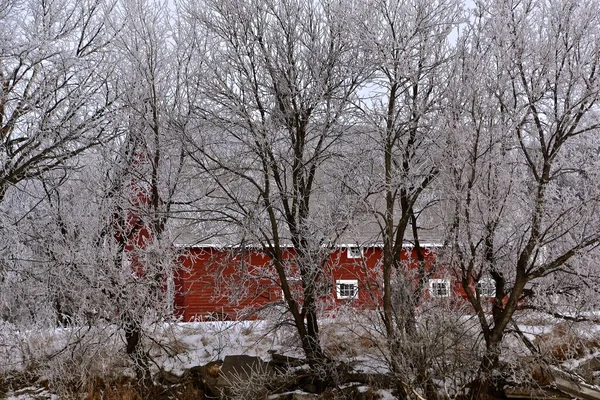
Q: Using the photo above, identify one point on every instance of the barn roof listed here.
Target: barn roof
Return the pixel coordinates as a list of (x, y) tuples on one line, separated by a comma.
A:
[(198, 232)]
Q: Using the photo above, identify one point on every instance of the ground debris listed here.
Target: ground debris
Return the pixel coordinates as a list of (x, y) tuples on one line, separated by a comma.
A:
[(31, 393)]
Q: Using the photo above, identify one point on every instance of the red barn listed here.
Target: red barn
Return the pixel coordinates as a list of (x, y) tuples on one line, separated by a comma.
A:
[(232, 283), (237, 283)]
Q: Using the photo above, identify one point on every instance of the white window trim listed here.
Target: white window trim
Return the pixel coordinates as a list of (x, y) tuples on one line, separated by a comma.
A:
[(433, 292), (489, 285), (352, 250), (340, 282)]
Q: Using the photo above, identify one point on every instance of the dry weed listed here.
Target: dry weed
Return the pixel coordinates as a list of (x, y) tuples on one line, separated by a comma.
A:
[(367, 342), (214, 369), (119, 389), (341, 345), (206, 340), (562, 343)]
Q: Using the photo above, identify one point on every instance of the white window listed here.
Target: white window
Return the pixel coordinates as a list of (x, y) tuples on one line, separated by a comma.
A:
[(486, 287), (346, 289), (355, 252), (439, 287)]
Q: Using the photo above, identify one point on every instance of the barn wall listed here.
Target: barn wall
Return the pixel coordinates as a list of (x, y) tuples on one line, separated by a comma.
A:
[(219, 284), (230, 284)]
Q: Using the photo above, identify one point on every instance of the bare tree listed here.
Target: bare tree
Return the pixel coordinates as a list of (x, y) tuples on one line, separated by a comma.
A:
[(405, 110), (151, 158), (524, 205), (55, 92), (94, 244), (277, 84), (56, 96), (55, 99)]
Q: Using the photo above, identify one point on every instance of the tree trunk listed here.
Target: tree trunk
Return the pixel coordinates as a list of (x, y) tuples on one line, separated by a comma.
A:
[(320, 365), (482, 386), (134, 351), (388, 319)]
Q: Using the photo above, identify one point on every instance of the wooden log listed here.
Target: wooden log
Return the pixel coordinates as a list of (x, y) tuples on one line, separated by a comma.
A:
[(579, 390), (541, 394)]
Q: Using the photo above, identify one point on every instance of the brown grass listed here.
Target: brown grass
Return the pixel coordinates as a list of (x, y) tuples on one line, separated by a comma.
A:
[(118, 389), (562, 343), (126, 389), (341, 345), (213, 369), (205, 340), (367, 342)]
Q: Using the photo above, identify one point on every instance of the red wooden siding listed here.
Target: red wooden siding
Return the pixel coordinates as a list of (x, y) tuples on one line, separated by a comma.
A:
[(222, 284)]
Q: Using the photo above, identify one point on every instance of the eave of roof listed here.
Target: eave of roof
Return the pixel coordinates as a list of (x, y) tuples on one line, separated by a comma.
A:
[(426, 245)]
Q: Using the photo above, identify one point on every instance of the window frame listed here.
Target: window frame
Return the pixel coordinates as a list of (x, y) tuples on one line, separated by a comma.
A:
[(351, 252), (338, 289), (434, 292), (489, 286)]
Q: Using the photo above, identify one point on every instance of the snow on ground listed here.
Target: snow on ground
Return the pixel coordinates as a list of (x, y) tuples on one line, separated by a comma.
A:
[(174, 348), (386, 394), (197, 343), (31, 393), (201, 342)]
